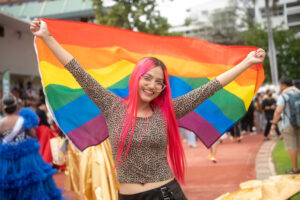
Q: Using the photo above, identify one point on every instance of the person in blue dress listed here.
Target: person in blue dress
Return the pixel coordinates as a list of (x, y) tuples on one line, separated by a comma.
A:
[(23, 173)]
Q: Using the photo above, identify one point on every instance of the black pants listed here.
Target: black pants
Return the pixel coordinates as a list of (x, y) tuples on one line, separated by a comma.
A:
[(268, 127), (169, 191), (247, 122), (235, 131)]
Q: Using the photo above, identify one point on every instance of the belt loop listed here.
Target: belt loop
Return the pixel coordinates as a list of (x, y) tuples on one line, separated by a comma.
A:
[(165, 193)]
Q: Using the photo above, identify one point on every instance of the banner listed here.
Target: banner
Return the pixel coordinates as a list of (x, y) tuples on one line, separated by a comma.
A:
[(5, 83), (110, 54)]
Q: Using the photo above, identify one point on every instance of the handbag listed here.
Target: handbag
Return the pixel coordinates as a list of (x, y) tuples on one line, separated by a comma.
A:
[(57, 155)]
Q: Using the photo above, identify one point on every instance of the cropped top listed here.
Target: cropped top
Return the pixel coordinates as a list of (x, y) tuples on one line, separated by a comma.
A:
[(147, 158)]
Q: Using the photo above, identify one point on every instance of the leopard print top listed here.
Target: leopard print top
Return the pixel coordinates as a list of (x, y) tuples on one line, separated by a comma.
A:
[(146, 160)]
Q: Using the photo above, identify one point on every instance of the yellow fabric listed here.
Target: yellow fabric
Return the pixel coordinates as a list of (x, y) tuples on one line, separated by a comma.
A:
[(279, 187), (89, 174), (105, 76)]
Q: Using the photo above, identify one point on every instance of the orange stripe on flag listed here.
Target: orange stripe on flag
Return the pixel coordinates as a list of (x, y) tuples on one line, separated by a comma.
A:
[(95, 58), (180, 47)]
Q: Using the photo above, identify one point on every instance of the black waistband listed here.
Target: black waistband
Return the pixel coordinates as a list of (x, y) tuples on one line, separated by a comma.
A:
[(164, 191)]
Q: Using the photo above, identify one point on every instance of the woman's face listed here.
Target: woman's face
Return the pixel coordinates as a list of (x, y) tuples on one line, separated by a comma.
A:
[(151, 84)]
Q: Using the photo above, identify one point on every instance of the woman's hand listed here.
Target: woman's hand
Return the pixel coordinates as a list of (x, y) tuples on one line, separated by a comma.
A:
[(39, 28), (255, 57)]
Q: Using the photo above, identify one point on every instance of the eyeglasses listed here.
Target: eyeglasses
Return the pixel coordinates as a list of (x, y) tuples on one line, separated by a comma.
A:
[(158, 85)]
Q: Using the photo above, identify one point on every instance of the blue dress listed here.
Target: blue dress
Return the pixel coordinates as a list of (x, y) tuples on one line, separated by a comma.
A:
[(23, 172)]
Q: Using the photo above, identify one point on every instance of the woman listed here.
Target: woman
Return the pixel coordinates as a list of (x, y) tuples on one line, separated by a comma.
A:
[(144, 127), (258, 114), (23, 173)]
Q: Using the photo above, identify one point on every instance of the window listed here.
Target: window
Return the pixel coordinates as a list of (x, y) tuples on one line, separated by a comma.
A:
[(293, 18), (277, 12), (1, 31), (293, 4)]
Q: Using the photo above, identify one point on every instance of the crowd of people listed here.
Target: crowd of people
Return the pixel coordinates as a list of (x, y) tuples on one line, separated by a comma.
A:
[(150, 171), (24, 174), (47, 128), (148, 117), (259, 119)]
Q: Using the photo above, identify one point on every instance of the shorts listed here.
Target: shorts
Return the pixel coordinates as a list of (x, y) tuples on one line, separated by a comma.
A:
[(169, 191), (291, 137)]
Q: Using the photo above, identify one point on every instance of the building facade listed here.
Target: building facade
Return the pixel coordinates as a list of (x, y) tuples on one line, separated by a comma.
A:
[(285, 14), (75, 10), (17, 52)]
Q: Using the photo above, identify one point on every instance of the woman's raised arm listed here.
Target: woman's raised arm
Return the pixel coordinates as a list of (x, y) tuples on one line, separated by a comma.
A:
[(254, 57), (188, 102), (39, 29), (102, 97)]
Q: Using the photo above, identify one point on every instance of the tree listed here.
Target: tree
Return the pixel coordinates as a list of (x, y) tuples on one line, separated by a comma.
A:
[(188, 21), (287, 51), (223, 25), (245, 12), (137, 15)]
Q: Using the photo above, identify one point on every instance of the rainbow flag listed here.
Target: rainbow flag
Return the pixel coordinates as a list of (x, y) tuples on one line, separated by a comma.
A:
[(110, 54)]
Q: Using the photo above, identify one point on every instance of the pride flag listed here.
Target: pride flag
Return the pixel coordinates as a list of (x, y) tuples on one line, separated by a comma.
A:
[(110, 54)]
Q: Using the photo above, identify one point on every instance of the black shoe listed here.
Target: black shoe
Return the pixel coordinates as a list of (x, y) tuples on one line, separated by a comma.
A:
[(292, 171)]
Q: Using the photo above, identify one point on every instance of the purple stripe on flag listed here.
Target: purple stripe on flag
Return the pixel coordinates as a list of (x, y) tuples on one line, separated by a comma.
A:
[(204, 130), (89, 134)]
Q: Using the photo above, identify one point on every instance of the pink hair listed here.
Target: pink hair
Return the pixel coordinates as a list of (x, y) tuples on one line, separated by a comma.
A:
[(164, 102)]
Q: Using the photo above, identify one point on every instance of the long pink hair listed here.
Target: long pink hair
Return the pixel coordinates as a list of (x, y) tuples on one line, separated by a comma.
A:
[(164, 102)]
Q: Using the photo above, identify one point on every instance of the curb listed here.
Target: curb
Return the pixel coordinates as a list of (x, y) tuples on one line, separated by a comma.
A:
[(264, 166)]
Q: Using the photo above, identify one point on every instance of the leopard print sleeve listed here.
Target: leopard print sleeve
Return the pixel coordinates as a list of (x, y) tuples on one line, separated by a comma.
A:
[(188, 102), (102, 97)]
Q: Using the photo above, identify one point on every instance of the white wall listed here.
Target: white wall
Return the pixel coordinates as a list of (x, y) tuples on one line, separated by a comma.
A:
[(17, 52)]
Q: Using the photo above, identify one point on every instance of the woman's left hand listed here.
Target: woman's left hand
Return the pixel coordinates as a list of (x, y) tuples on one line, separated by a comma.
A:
[(255, 57)]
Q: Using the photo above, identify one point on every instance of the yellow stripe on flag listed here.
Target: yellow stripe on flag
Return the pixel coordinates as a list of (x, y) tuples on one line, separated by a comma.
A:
[(105, 76)]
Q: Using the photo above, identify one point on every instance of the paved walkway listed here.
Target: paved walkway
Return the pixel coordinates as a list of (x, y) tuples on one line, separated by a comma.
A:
[(237, 162), (264, 166)]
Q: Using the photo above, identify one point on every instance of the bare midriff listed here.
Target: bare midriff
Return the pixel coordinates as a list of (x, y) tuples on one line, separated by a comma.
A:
[(133, 188)]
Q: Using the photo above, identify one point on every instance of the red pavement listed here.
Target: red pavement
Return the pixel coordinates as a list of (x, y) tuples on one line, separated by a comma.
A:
[(206, 180)]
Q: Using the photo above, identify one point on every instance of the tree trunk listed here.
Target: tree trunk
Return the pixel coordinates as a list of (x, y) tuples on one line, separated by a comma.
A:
[(272, 49)]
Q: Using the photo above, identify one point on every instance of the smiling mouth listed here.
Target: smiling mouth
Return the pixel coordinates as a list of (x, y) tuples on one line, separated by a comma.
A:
[(148, 92)]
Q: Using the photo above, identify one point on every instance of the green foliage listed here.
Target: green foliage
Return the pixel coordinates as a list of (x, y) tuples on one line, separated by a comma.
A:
[(137, 15), (282, 162), (281, 158), (225, 27), (296, 196), (188, 21), (287, 49)]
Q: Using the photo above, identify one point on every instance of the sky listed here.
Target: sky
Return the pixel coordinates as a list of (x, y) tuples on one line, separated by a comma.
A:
[(176, 11)]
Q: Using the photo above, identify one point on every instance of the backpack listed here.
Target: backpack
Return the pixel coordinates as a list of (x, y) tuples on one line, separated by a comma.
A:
[(294, 104)]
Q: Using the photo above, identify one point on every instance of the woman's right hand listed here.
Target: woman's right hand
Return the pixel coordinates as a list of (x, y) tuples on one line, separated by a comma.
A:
[(39, 28)]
